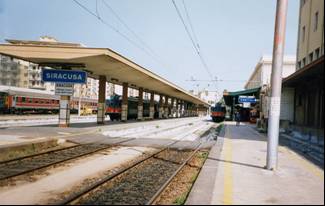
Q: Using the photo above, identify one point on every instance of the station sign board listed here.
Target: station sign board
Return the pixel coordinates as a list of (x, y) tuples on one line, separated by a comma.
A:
[(64, 76), (248, 99), (64, 89), (246, 104)]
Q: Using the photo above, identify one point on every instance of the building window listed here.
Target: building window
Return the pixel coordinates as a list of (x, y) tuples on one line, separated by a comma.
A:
[(299, 65), (303, 62), (311, 55), (303, 33), (317, 53), (316, 21), (303, 2)]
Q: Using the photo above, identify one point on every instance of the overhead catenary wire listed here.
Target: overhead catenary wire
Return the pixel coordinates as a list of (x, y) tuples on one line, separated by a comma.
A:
[(191, 25), (126, 26), (116, 30), (194, 44), (153, 53)]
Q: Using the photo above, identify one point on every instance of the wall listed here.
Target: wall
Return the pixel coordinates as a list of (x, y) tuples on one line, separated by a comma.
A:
[(314, 39)]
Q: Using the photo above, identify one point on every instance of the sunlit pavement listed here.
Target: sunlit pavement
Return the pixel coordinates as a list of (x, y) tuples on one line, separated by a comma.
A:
[(235, 174)]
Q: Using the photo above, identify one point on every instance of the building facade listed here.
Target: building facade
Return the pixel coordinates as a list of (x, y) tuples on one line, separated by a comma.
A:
[(307, 82), (212, 97), (311, 32), (13, 72), (261, 78), (263, 69), (20, 73)]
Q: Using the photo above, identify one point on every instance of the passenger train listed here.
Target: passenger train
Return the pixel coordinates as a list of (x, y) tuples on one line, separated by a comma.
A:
[(15, 100), (114, 107), (218, 112)]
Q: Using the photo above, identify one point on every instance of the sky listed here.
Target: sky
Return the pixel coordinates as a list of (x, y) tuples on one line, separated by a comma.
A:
[(232, 34)]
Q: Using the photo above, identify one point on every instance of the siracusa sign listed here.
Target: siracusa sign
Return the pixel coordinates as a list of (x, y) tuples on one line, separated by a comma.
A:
[(64, 76)]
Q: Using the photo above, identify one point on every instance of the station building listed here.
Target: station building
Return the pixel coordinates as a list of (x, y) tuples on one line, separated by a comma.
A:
[(307, 82), (261, 78), (258, 85)]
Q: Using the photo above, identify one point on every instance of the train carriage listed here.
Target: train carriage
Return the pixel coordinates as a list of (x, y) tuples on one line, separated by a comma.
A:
[(15, 100), (114, 107), (218, 112), (3, 102)]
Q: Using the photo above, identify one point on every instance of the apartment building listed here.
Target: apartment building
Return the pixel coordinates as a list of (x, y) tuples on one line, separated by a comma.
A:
[(311, 32)]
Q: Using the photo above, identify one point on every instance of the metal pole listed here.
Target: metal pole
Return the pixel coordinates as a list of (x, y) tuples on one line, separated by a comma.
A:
[(79, 102), (276, 84)]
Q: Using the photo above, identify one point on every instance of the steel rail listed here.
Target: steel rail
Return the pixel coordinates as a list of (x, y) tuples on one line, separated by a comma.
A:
[(38, 154), (163, 187), (61, 161), (101, 182)]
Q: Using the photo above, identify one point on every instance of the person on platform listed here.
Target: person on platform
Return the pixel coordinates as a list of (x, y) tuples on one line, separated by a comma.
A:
[(237, 118)]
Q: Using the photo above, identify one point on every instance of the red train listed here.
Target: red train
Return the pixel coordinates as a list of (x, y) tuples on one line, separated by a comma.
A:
[(15, 100), (218, 113)]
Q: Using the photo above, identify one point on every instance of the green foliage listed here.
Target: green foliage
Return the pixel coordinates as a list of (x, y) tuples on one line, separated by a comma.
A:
[(180, 200), (219, 128)]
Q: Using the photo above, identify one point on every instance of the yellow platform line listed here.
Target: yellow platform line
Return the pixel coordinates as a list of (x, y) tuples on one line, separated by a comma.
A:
[(228, 181)]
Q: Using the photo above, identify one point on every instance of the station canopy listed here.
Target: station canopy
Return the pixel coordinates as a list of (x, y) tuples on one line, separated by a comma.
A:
[(229, 97), (309, 73), (96, 61)]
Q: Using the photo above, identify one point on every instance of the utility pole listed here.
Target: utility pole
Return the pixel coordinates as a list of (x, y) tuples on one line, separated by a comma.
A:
[(79, 102), (276, 84)]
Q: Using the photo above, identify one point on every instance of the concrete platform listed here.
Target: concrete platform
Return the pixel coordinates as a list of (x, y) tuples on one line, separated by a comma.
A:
[(234, 173), (157, 133)]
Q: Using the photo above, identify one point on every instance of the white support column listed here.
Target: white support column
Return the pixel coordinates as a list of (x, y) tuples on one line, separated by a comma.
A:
[(152, 105), (161, 108), (140, 104), (101, 106), (166, 110), (177, 108), (185, 109), (124, 114), (172, 108), (64, 114)]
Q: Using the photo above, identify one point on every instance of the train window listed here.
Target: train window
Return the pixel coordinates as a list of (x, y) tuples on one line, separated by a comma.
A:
[(23, 99)]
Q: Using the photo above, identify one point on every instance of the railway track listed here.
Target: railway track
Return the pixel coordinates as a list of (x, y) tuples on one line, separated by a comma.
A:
[(140, 183), (24, 165), (27, 164)]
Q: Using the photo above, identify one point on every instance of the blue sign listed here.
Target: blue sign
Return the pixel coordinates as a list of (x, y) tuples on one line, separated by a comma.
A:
[(64, 76), (247, 99)]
